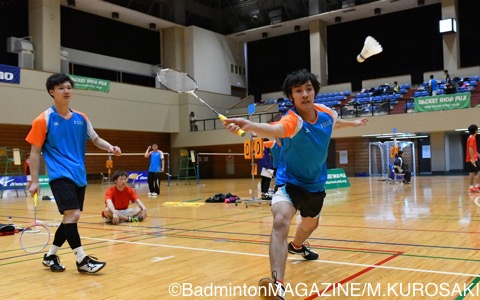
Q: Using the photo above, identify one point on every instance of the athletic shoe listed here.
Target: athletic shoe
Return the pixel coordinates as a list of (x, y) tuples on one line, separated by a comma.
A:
[(305, 252), (149, 194), (271, 289), (53, 261), (473, 190), (90, 264), (154, 194), (135, 219)]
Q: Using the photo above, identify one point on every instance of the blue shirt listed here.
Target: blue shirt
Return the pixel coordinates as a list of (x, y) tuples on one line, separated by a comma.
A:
[(304, 150), (63, 143), (155, 161)]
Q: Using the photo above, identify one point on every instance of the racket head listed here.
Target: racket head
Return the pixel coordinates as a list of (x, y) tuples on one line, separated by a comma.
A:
[(34, 238), (177, 81)]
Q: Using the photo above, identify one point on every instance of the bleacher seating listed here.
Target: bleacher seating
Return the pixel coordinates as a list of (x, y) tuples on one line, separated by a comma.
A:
[(374, 103)]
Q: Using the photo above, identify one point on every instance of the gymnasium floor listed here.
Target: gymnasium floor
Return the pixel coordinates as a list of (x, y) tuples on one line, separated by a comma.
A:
[(375, 240)]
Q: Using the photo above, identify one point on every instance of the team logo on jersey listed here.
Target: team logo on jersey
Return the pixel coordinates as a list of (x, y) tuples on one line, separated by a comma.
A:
[(326, 124), (78, 122), (56, 123)]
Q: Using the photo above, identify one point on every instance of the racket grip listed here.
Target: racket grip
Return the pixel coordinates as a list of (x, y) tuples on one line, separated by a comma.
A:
[(240, 132)]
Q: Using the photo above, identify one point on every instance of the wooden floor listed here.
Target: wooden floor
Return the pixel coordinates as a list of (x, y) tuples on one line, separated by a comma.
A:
[(378, 240)]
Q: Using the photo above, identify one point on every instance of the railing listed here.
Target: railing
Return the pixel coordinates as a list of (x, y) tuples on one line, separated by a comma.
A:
[(345, 111)]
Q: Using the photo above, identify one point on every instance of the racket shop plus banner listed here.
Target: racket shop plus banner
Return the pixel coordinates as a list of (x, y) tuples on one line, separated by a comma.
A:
[(336, 178), (9, 74), (442, 102), (91, 84)]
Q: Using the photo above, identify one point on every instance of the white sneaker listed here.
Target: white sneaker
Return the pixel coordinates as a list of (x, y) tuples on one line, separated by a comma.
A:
[(154, 194), (150, 194)]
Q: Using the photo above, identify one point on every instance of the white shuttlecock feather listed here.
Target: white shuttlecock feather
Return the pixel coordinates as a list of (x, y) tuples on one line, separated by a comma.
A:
[(370, 47)]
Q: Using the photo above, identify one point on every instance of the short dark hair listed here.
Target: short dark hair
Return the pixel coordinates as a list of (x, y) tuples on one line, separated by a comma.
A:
[(472, 128), (298, 78), (118, 174), (57, 79)]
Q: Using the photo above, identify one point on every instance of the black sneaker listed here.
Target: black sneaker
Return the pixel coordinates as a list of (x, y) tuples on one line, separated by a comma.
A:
[(53, 262), (90, 264), (305, 252), (271, 289)]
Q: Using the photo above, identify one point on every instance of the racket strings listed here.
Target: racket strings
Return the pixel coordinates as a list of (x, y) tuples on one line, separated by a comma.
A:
[(34, 238), (177, 81)]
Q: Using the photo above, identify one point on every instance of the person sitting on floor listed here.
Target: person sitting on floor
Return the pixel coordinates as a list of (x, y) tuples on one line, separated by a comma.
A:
[(117, 199)]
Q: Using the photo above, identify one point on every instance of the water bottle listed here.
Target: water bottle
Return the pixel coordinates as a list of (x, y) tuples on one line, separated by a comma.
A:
[(259, 190), (10, 221)]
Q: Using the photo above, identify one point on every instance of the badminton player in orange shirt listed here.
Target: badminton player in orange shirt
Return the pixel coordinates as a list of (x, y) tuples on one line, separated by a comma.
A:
[(117, 200), (472, 159)]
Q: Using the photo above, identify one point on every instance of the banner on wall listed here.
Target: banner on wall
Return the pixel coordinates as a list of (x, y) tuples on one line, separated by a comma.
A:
[(442, 102), (16, 182), (336, 178), (91, 84), (9, 74), (141, 176)]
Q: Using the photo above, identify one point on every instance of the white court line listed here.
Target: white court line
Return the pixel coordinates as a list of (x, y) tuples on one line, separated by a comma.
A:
[(294, 259)]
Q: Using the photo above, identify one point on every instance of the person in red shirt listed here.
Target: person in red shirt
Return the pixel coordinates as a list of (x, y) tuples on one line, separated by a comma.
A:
[(472, 159), (117, 200)]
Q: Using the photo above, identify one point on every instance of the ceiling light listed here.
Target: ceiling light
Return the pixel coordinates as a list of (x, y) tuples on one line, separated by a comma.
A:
[(338, 20), (115, 15), (377, 11), (264, 35), (152, 26), (296, 28)]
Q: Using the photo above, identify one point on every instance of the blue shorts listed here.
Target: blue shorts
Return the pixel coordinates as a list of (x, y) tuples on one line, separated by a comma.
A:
[(309, 204), (67, 194)]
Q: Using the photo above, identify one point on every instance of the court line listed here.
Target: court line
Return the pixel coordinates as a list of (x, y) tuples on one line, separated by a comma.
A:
[(349, 278), (296, 259)]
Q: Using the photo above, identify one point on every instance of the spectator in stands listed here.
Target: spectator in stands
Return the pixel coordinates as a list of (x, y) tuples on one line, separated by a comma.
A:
[(450, 88), (447, 77), (432, 86), (396, 88), (193, 122), (386, 88)]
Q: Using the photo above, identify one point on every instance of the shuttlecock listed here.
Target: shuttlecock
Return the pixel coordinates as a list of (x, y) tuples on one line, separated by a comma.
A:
[(371, 47)]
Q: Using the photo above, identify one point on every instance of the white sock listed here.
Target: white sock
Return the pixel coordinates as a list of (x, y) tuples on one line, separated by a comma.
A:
[(79, 254), (53, 250)]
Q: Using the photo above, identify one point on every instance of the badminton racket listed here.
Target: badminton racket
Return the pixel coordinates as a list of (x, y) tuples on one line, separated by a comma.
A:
[(184, 84), (35, 237), (168, 174)]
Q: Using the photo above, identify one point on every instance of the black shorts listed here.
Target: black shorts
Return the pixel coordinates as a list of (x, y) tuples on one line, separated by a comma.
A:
[(308, 203), (472, 168), (67, 194)]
